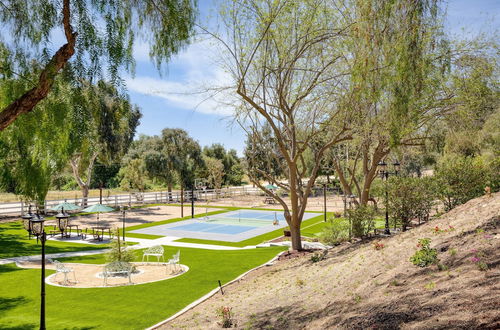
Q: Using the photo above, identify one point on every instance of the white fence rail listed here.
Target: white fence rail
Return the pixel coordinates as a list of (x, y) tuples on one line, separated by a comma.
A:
[(19, 208)]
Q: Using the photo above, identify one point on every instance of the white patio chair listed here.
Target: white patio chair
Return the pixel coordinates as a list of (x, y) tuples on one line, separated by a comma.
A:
[(61, 268), (175, 260), (155, 251)]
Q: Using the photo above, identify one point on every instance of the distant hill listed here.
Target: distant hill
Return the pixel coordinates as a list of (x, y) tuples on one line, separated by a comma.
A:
[(358, 287)]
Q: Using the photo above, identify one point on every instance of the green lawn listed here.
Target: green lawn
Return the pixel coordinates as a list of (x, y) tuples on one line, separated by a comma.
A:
[(14, 242), (126, 307)]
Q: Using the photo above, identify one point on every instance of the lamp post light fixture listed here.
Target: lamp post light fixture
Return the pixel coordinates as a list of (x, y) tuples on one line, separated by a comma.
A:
[(384, 175), (38, 230), (27, 221), (62, 221), (352, 200)]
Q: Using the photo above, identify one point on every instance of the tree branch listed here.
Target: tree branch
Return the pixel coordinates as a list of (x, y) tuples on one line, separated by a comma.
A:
[(31, 98)]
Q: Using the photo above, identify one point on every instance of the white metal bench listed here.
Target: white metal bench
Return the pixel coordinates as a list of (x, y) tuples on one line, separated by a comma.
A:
[(155, 251), (117, 268)]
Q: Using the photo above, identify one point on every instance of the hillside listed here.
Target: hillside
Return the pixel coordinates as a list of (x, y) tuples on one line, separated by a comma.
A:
[(359, 287)]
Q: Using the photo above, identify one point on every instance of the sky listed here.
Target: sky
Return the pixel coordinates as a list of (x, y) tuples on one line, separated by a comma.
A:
[(174, 100)]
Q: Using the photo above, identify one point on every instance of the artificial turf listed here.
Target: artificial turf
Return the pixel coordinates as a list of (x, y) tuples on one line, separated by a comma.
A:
[(125, 307), (14, 242), (254, 240)]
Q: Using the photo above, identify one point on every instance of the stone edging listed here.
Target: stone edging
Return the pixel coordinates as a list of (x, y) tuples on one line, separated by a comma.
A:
[(211, 293)]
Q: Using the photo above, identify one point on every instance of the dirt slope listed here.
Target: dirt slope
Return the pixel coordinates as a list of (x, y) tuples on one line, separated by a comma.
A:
[(358, 287)]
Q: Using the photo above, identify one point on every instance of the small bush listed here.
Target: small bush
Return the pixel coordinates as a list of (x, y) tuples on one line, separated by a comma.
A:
[(226, 315), (425, 256), (336, 231), (317, 256), (362, 220), (410, 198), (119, 251), (378, 245), (460, 179)]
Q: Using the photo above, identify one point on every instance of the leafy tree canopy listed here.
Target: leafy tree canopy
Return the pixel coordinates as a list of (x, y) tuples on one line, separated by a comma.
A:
[(97, 34)]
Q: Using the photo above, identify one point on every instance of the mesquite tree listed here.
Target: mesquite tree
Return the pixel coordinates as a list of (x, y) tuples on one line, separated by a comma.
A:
[(104, 129), (99, 36), (398, 58), (286, 61)]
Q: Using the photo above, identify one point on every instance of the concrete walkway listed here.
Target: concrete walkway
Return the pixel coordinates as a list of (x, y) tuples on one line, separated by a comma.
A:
[(142, 244)]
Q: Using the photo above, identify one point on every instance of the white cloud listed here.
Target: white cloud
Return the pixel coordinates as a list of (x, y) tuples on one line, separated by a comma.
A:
[(193, 86)]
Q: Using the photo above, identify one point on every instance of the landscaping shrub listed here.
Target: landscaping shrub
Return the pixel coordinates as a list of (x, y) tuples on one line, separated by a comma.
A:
[(335, 231), (410, 198), (226, 316), (119, 251), (460, 179), (362, 220), (425, 256)]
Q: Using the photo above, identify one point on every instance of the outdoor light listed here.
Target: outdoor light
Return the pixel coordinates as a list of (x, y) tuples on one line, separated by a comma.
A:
[(383, 166), (27, 221), (37, 229), (384, 175), (62, 221), (396, 167)]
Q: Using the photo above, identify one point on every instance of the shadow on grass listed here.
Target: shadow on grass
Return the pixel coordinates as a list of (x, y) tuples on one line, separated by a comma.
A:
[(9, 303)]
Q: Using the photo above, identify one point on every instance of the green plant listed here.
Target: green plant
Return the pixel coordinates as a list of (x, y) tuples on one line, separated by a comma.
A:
[(300, 282), (335, 231), (378, 245), (410, 198), (225, 314), (362, 219), (425, 256), (431, 285), (460, 179), (119, 251)]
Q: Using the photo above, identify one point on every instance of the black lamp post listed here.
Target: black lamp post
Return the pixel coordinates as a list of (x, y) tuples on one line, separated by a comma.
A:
[(123, 221), (192, 201), (27, 221), (37, 229), (384, 174), (344, 199), (62, 221), (324, 199)]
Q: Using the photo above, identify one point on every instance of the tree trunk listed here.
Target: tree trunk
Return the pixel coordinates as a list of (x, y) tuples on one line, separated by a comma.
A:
[(294, 200), (85, 195), (169, 189), (295, 234)]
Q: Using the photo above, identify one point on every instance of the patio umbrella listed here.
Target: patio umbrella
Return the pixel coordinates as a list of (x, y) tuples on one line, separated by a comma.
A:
[(66, 206), (98, 208), (271, 187)]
